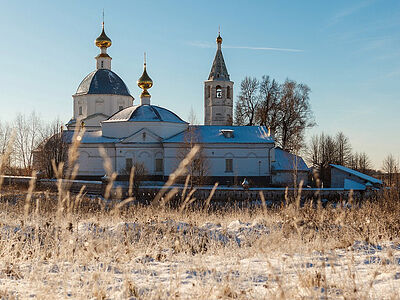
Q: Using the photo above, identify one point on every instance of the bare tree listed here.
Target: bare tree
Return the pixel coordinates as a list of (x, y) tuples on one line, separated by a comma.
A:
[(199, 166), (7, 153), (354, 161), (284, 108), (364, 163), (192, 118), (391, 167), (267, 113), (295, 115), (246, 106), (28, 133), (239, 114), (343, 149), (137, 173), (323, 151), (53, 148)]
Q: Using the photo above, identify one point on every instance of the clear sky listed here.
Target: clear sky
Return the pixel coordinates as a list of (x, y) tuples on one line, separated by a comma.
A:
[(348, 52)]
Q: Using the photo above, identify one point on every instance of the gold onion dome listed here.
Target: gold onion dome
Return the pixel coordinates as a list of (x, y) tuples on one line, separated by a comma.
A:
[(145, 82), (103, 41)]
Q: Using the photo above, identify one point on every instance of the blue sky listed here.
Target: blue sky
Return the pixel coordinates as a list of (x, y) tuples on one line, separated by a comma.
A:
[(348, 52)]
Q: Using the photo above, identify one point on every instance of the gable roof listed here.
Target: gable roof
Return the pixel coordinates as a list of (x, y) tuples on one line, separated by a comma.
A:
[(154, 138), (215, 134), (89, 137), (358, 174), (285, 161)]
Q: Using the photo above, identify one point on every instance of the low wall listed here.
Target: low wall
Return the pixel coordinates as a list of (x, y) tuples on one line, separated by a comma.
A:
[(222, 193)]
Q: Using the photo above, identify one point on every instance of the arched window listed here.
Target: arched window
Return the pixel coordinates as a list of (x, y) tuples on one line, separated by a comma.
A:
[(228, 92), (208, 91), (80, 110), (218, 91)]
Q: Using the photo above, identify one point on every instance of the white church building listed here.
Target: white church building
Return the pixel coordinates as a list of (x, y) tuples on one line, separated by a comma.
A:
[(137, 132)]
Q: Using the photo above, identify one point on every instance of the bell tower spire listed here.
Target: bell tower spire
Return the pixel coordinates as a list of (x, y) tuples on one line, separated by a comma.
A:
[(218, 91), (103, 60)]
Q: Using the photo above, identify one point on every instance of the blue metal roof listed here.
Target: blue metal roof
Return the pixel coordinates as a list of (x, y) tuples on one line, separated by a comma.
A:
[(215, 134), (102, 81), (285, 161)]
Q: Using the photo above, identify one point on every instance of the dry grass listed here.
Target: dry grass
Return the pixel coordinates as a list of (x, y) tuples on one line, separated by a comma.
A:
[(60, 245), (94, 251)]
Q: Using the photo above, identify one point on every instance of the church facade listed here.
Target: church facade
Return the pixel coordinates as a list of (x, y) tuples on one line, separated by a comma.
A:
[(156, 138)]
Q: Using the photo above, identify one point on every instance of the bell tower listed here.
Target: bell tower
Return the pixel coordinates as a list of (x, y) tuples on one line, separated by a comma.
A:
[(218, 92)]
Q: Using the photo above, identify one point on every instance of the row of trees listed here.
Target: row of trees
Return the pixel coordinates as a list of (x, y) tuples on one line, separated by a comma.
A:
[(21, 137), (325, 149), (284, 108)]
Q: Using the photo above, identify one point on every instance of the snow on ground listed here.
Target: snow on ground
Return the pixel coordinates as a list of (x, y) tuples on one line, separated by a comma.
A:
[(236, 267)]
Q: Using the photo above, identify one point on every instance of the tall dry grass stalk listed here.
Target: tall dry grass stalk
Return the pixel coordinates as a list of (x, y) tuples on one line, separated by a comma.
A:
[(208, 200), (180, 171), (28, 198)]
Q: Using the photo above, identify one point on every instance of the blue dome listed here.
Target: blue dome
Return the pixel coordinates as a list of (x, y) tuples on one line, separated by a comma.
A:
[(146, 113), (102, 81)]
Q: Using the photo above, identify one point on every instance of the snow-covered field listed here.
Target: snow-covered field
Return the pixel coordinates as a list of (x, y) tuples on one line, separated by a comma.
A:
[(159, 253)]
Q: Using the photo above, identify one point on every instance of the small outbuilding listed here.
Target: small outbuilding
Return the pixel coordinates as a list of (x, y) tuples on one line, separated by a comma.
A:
[(288, 168), (349, 179)]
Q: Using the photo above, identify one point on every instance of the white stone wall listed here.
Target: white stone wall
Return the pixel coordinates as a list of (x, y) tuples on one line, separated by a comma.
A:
[(248, 160), (144, 154), (103, 61), (91, 162), (218, 111), (286, 178), (338, 178), (95, 104)]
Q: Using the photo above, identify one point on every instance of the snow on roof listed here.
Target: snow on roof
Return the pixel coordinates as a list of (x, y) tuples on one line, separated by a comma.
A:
[(90, 137), (358, 174), (285, 161), (214, 134), (145, 113)]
